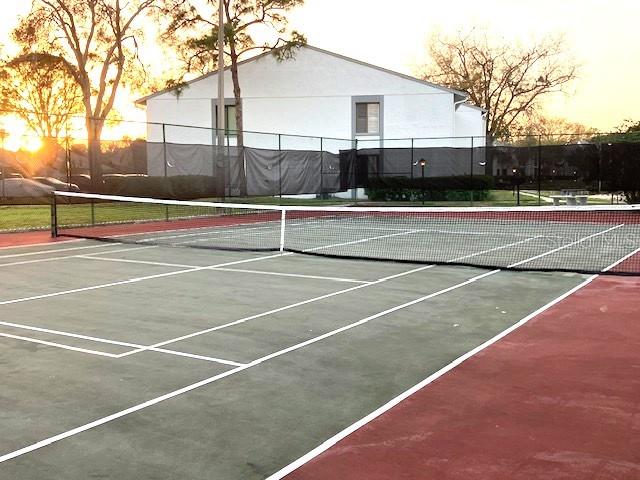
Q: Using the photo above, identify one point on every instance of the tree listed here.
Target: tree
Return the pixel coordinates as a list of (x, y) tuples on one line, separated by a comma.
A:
[(534, 125), (508, 80), (41, 90), (195, 31), (620, 159), (98, 40)]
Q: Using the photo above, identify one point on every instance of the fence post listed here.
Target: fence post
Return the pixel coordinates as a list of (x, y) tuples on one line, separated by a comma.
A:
[(539, 170), (411, 168), (471, 173), (321, 169), (67, 159), (599, 174), (165, 167), (354, 192), (280, 166), (54, 216)]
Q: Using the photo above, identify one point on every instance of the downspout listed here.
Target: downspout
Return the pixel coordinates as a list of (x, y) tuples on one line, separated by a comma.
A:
[(455, 108)]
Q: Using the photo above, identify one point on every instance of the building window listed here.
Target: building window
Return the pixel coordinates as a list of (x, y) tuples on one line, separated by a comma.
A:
[(368, 118), (230, 124)]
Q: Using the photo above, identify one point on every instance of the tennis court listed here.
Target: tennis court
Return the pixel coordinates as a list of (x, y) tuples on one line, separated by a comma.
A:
[(134, 358)]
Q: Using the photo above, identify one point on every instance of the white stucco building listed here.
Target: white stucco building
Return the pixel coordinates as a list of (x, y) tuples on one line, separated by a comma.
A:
[(319, 94)]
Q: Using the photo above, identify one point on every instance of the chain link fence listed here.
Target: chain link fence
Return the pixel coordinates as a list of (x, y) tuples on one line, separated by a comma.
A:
[(184, 162)]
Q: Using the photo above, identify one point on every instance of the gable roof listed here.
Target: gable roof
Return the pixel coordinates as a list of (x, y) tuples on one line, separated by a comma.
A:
[(462, 95)]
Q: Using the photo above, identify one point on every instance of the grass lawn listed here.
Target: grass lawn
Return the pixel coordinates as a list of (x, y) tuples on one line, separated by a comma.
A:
[(38, 217), (27, 217)]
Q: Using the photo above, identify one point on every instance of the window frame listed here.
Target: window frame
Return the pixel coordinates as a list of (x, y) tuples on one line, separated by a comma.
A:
[(367, 99), (228, 103)]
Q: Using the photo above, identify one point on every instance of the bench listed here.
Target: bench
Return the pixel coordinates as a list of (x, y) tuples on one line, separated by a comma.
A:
[(570, 199)]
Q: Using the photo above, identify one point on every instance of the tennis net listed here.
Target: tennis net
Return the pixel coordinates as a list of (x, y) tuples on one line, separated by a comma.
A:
[(584, 239)]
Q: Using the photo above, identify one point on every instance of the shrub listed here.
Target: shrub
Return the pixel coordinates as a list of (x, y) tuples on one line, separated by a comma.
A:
[(449, 189)]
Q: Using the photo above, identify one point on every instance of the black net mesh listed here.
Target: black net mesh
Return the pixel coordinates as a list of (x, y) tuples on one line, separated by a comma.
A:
[(577, 239)]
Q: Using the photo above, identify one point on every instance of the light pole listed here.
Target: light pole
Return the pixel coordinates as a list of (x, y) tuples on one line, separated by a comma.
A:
[(517, 180)]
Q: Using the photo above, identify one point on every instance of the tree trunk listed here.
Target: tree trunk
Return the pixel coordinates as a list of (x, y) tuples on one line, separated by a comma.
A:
[(94, 132), (237, 93)]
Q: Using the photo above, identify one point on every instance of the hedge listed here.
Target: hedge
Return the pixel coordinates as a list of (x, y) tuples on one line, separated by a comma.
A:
[(451, 189)]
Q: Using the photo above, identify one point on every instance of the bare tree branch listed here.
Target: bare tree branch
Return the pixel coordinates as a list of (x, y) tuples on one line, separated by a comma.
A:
[(94, 38), (507, 80)]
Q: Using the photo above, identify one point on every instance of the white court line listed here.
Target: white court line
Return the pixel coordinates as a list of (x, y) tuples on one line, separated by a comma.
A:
[(362, 240), (38, 260), (210, 380), (120, 250), (74, 240), (230, 229), (55, 250), (278, 310), (155, 347), (132, 280), (103, 340), (294, 275), (190, 355), (58, 345), (257, 272), (269, 230), (434, 230), (564, 246), (138, 348), (312, 300), (64, 257), (140, 262), (501, 247), (115, 416), (95, 287)]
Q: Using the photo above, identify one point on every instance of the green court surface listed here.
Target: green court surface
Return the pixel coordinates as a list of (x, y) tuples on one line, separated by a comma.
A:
[(147, 362)]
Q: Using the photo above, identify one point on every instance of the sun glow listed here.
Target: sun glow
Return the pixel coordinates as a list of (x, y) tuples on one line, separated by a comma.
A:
[(15, 136)]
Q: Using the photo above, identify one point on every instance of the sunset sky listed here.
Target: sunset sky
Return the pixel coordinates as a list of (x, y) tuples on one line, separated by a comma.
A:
[(602, 37)]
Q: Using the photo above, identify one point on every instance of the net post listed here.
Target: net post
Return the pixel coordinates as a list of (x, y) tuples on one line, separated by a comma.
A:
[(54, 215), (283, 217)]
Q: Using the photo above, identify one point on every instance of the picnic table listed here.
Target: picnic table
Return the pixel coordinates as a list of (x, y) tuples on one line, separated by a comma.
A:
[(571, 197)]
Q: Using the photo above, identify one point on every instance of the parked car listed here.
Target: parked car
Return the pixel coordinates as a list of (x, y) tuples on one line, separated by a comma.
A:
[(57, 184), (23, 188), (82, 180)]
